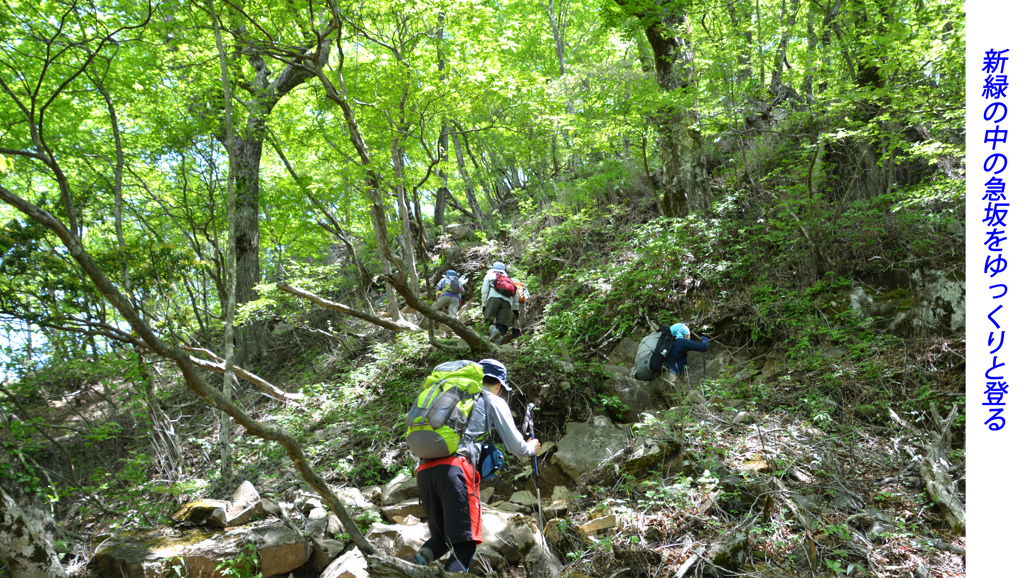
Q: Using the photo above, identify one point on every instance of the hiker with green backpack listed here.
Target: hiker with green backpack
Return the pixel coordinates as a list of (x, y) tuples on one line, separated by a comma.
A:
[(496, 294), (449, 429)]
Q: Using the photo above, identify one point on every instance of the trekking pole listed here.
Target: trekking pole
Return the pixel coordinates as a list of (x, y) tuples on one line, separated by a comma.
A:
[(536, 472)]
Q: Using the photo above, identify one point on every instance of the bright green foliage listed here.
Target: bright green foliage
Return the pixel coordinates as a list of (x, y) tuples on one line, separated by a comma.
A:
[(833, 134), (246, 565)]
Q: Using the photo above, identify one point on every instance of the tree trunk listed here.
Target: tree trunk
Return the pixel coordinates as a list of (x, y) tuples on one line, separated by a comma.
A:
[(24, 547), (26, 530), (233, 248), (786, 24), (686, 183), (398, 165), (441, 199), (557, 16), (470, 195), (440, 202), (251, 340), (339, 95)]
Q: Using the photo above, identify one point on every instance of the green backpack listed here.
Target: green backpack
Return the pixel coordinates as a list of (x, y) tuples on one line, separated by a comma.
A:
[(436, 422)]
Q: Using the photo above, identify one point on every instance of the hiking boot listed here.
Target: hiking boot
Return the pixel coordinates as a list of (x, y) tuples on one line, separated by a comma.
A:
[(495, 336), (418, 558), (410, 558)]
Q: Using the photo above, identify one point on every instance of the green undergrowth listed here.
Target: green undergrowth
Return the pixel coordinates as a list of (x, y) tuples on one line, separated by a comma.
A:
[(356, 414), (770, 270)]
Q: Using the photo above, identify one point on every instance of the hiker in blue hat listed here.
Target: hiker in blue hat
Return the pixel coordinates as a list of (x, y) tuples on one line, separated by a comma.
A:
[(684, 341), (449, 488), (449, 293)]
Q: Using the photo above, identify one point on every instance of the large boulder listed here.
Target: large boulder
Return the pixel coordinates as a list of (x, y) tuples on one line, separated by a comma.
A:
[(459, 231), (564, 539), (325, 551), (203, 513), (507, 538), (727, 554), (586, 446), (403, 510), (562, 493), (245, 506), (354, 498), (350, 564), (524, 498), (245, 496), (618, 370), (400, 489), (152, 554), (497, 532), (541, 563), (237, 518), (538, 559), (907, 301), (199, 551), (398, 540), (624, 352), (316, 523), (633, 393), (268, 507), (282, 549), (487, 559)]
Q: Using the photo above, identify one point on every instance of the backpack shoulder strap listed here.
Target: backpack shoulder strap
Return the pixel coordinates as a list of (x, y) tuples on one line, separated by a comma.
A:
[(488, 425)]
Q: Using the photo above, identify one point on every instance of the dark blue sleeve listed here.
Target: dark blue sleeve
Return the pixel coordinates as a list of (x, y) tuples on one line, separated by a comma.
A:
[(691, 345)]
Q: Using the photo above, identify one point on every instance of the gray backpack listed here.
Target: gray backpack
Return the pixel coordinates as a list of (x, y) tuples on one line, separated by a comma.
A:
[(652, 354)]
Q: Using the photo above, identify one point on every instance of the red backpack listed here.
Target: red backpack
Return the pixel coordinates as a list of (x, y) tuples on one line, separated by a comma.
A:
[(503, 284)]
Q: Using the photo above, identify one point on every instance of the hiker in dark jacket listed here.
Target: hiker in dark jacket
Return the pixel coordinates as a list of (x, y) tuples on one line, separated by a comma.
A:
[(449, 488), (683, 343)]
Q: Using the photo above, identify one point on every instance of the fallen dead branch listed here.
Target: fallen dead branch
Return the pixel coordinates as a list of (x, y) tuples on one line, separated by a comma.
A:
[(689, 562), (475, 342), (382, 566), (935, 469), (395, 326), (217, 366)]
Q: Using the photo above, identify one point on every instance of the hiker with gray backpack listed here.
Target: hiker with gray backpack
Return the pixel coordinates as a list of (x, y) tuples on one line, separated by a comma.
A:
[(449, 293), (449, 429), (665, 349)]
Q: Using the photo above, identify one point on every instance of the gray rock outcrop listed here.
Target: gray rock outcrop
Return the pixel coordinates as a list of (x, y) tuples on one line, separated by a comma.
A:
[(586, 446)]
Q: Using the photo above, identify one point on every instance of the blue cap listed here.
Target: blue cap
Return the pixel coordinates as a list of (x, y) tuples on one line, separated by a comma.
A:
[(680, 330), (498, 265), (496, 369), (451, 273)]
